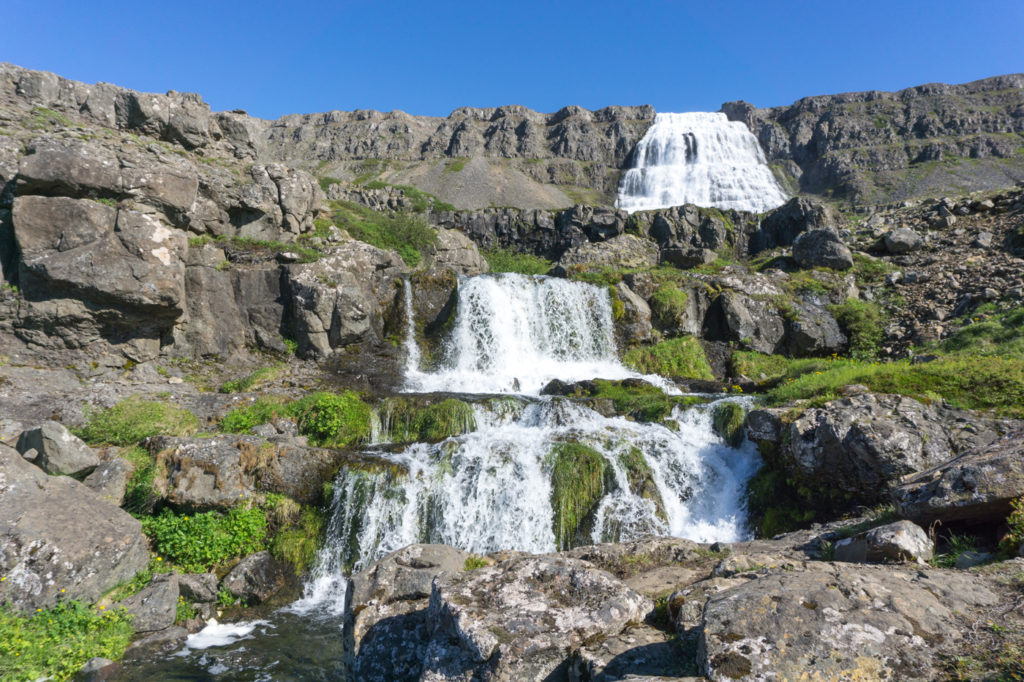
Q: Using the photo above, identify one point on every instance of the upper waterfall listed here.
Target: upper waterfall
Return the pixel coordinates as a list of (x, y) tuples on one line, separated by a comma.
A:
[(699, 158)]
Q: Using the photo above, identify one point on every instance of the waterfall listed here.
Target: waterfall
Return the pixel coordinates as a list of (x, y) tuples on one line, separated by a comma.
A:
[(412, 349), (515, 333), (699, 158)]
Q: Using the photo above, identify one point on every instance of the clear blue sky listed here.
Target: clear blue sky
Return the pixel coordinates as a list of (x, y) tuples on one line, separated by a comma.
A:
[(431, 57)]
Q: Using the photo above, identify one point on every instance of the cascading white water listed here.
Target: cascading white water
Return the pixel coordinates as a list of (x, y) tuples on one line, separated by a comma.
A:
[(699, 158), (515, 333), (492, 489)]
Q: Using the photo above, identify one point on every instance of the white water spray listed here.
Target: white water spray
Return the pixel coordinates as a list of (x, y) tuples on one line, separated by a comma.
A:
[(699, 158)]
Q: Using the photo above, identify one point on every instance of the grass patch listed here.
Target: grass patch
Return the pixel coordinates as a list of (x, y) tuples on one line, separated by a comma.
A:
[(199, 542), (139, 495), (992, 333), (54, 643), (326, 182), (668, 304), (329, 419), (455, 165), (44, 118), (639, 400), (296, 532), (954, 545), (507, 260), (268, 248), (131, 421), (863, 323), (474, 561), (254, 379), (577, 484), (263, 411), (401, 232), (681, 357)]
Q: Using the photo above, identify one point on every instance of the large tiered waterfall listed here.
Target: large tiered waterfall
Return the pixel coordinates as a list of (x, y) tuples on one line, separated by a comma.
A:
[(699, 158), (494, 486)]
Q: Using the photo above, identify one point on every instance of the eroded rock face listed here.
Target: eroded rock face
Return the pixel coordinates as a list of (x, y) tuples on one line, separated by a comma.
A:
[(836, 621), (523, 618), (623, 251), (978, 485), (59, 540)]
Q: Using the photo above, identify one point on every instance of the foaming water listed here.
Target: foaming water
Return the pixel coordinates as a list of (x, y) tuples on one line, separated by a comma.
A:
[(515, 333), (699, 158), (492, 489)]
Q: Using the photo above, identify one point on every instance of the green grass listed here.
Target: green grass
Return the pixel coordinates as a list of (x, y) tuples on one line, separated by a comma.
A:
[(54, 643), (668, 305), (507, 260), (199, 542), (296, 532), (266, 247), (132, 420), (262, 411), (987, 333), (455, 165), (681, 357), (577, 484), (643, 402), (473, 562), (864, 325), (954, 545), (255, 379), (329, 419), (326, 182), (139, 493), (44, 118), (407, 234), (966, 382)]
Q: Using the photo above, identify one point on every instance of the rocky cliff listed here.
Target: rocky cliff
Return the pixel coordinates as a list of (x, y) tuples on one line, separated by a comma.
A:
[(876, 147)]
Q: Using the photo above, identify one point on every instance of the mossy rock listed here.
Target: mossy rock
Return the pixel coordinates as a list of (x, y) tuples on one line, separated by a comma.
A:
[(727, 421), (640, 478), (680, 357), (406, 421), (577, 485)]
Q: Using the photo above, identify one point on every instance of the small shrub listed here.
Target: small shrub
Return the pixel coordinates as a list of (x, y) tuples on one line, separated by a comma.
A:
[(508, 260), (131, 421), (1013, 539), (332, 419), (54, 643), (199, 542), (681, 357), (185, 611), (475, 561), (262, 411)]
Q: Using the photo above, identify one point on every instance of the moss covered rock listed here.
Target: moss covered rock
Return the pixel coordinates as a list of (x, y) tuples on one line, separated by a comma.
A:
[(727, 420), (577, 485)]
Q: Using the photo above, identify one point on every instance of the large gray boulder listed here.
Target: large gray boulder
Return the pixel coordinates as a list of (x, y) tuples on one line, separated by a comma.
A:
[(623, 251), (255, 579), (155, 606), (899, 541), (750, 322), (902, 240), (110, 479), (783, 225), (59, 452), (522, 619), (822, 249), (838, 621), (811, 330), (389, 606), (59, 540), (979, 485)]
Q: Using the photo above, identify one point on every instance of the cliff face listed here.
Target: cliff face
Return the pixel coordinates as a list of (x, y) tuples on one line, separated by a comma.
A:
[(876, 147)]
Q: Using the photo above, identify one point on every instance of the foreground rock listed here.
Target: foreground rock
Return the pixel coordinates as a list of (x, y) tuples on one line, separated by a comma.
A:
[(59, 540), (255, 579), (900, 541), (58, 451), (978, 485), (523, 618), (835, 621)]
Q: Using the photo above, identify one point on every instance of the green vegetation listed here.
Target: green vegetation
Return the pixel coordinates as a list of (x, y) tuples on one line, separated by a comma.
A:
[(862, 321), (577, 484), (775, 504), (45, 118), (641, 401), (420, 201), (139, 494), (295, 531), (137, 583), (407, 234), (329, 419), (266, 247), (184, 611), (727, 420), (254, 379), (326, 182), (668, 304), (954, 545), (507, 260), (132, 420), (474, 561), (681, 357), (54, 643), (107, 202), (405, 421), (455, 165), (199, 542), (988, 333), (1014, 537), (368, 169)]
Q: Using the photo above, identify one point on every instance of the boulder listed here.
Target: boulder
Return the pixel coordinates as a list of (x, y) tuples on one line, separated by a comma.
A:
[(822, 249), (900, 541), (633, 325), (858, 446), (156, 644), (811, 330), (902, 240), (255, 579), (837, 621), (522, 619), (198, 587), (976, 486), (59, 540), (623, 251), (110, 479), (389, 605), (59, 452), (155, 606), (747, 321), (783, 225)]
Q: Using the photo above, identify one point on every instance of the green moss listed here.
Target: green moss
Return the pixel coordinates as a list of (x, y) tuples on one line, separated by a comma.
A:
[(727, 420), (326, 182), (577, 484), (298, 538), (55, 643), (507, 260), (407, 422), (618, 307), (454, 165), (774, 504), (641, 401), (132, 420), (668, 304), (681, 357), (262, 411)]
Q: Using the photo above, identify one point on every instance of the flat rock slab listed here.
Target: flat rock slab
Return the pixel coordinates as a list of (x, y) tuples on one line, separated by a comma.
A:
[(59, 540), (523, 618), (837, 621)]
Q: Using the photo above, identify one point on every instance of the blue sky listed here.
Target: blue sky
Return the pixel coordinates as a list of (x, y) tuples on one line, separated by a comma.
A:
[(431, 57)]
